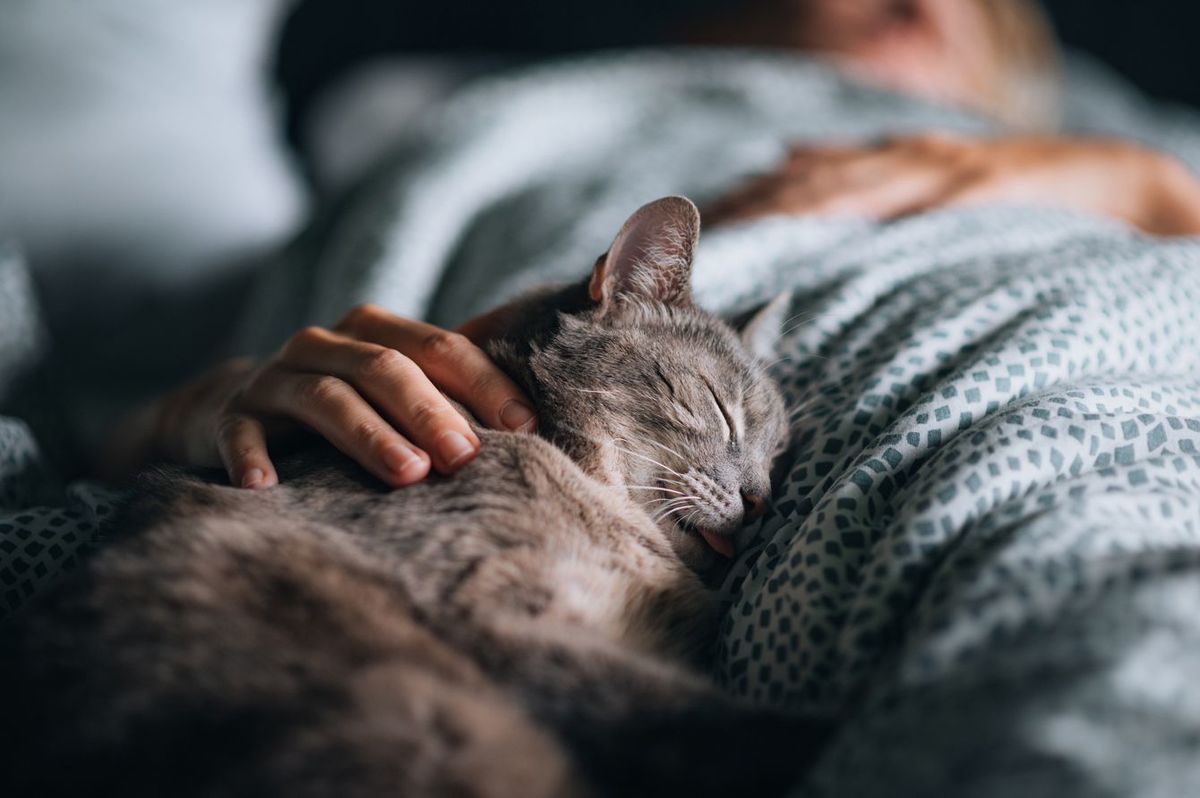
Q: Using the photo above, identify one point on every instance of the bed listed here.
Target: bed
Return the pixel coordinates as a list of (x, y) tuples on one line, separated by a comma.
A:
[(984, 546)]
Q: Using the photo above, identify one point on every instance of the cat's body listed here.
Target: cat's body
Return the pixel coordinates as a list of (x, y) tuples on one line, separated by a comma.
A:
[(524, 628)]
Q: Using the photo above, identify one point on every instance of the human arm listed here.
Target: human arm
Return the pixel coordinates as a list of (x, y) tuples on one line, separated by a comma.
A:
[(909, 174), (372, 385)]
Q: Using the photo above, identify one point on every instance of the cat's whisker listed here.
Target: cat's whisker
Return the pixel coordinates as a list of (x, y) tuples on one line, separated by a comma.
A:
[(798, 357), (664, 515), (683, 506), (668, 449), (809, 400), (648, 459), (786, 331), (801, 320), (670, 499), (665, 448), (806, 405), (687, 519), (651, 487), (600, 391), (840, 382), (678, 482), (671, 515), (678, 498)]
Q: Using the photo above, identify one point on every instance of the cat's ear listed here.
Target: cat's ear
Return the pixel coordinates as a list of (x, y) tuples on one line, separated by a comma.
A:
[(761, 327), (652, 256)]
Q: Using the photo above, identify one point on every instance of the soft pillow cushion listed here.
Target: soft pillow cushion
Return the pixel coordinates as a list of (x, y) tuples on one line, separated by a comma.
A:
[(136, 142)]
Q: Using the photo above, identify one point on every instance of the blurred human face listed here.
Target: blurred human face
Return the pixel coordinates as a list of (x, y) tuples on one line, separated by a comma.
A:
[(942, 50)]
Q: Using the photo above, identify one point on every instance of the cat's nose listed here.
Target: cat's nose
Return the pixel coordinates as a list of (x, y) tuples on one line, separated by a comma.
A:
[(754, 505)]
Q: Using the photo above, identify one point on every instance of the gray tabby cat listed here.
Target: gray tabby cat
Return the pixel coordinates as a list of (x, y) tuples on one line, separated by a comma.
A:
[(530, 627)]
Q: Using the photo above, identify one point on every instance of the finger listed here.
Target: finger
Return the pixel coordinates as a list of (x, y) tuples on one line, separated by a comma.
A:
[(878, 187), (827, 180), (336, 412), (481, 328), (804, 154), (454, 364), (881, 182), (242, 445), (966, 191), (752, 200), (394, 384)]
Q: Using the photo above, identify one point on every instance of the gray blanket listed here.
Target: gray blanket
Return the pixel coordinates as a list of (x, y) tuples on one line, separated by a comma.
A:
[(984, 547)]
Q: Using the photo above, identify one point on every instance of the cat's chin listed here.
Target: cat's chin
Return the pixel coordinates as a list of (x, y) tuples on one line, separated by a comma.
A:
[(693, 547)]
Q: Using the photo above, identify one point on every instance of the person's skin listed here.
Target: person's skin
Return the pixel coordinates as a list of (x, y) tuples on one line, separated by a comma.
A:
[(374, 385), (935, 49), (941, 50), (910, 174)]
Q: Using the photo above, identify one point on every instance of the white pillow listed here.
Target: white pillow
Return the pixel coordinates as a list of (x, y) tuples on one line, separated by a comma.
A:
[(137, 143)]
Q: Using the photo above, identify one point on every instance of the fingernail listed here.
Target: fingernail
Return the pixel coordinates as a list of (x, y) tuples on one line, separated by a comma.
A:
[(515, 415), (404, 463), (253, 478), (455, 448)]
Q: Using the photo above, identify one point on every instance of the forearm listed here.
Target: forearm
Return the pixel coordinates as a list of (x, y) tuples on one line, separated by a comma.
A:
[(1172, 206), (133, 443), (177, 426)]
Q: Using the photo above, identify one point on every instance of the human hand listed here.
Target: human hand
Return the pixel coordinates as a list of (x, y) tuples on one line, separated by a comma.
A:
[(909, 174), (372, 386)]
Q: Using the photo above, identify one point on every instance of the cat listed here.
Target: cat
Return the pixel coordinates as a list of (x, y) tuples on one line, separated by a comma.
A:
[(536, 625)]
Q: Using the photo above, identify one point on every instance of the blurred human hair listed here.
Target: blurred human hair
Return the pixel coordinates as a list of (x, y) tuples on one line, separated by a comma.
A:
[(1027, 93), (999, 57)]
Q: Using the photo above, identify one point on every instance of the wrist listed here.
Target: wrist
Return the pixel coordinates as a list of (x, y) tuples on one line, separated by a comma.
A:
[(134, 443)]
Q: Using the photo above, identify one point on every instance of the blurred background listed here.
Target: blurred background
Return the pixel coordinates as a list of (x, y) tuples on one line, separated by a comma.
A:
[(1151, 42)]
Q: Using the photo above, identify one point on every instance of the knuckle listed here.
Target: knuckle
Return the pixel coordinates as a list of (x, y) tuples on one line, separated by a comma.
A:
[(256, 388), (229, 411), (241, 451), (305, 338), (234, 368), (228, 427), (321, 389), (383, 363), (485, 384), (233, 440), (358, 315), (443, 345), (367, 433), (309, 333), (428, 414)]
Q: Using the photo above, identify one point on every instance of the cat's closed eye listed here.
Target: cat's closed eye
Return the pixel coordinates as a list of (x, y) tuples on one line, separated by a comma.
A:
[(726, 417)]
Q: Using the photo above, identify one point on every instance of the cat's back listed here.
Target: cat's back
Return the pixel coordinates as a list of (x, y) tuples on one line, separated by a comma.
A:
[(520, 530), (255, 658)]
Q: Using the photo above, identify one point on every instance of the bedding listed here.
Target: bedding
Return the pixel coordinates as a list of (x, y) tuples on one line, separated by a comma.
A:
[(984, 548), (139, 161), (46, 524)]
